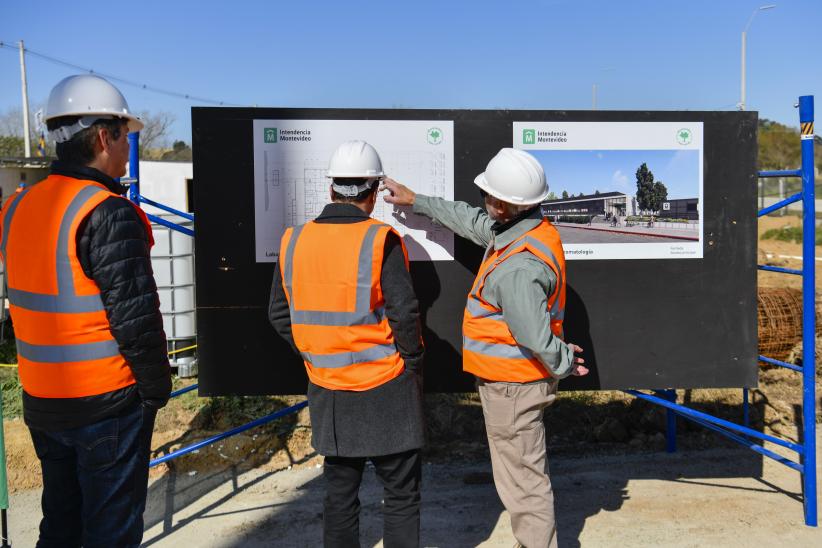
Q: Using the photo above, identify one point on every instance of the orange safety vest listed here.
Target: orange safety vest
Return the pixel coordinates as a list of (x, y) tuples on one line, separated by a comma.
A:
[(65, 348), (331, 275), (489, 349)]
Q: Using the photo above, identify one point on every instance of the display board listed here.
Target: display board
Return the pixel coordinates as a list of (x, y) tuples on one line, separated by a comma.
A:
[(657, 299)]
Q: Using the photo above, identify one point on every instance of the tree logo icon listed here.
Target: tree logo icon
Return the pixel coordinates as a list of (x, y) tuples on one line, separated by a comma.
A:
[(434, 136), (683, 136), (529, 137)]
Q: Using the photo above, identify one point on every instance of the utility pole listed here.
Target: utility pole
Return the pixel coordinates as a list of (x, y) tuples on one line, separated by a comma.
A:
[(26, 133), (594, 97)]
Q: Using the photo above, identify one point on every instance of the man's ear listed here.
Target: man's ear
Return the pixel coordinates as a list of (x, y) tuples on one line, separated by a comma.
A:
[(103, 139)]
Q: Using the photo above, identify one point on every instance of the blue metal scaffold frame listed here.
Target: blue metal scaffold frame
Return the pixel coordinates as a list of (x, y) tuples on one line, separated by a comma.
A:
[(743, 434)]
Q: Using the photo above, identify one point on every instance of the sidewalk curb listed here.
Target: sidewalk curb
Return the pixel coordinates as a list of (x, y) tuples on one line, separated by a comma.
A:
[(676, 237)]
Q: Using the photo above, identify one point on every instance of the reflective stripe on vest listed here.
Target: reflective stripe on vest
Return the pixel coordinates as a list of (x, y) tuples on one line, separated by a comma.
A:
[(344, 359), (361, 354), (508, 351), (64, 342), (489, 349)]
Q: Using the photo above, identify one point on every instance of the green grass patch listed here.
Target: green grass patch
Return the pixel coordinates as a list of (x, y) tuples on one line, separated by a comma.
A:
[(9, 381), (788, 234)]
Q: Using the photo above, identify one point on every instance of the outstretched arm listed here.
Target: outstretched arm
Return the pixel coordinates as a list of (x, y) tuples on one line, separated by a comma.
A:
[(464, 220)]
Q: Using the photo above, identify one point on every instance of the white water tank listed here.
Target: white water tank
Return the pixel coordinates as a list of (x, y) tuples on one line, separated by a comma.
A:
[(172, 259)]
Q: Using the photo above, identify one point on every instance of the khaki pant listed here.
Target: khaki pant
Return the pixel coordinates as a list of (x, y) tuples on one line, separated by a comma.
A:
[(516, 436)]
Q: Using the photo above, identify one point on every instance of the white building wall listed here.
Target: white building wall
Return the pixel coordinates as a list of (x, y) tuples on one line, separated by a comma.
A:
[(10, 177), (165, 182)]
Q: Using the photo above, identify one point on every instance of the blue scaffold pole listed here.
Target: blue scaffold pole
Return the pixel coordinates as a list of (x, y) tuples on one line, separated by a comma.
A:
[(670, 420), (134, 166), (808, 310)]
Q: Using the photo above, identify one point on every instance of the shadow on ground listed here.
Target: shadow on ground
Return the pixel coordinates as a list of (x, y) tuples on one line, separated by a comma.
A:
[(191, 477), (595, 449)]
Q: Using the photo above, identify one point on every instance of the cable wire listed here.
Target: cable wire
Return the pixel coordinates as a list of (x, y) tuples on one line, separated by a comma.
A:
[(119, 79)]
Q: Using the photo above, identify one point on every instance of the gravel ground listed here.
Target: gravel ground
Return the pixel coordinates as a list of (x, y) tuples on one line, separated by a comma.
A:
[(717, 497)]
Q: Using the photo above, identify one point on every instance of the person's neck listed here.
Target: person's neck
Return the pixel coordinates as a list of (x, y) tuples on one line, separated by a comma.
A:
[(362, 206), (101, 165)]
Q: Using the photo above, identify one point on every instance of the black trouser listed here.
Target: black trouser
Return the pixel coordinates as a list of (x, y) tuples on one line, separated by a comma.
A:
[(400, 476)]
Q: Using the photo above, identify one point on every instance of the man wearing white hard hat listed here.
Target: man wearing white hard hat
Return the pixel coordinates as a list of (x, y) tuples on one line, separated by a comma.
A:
[(90, 343), (512, 328), (342, 297)]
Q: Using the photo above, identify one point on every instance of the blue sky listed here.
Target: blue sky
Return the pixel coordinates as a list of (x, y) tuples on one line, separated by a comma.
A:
[(641, 54), (615, 170)]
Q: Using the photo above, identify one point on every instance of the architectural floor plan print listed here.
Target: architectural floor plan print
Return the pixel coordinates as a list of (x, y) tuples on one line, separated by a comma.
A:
[(290, 186)]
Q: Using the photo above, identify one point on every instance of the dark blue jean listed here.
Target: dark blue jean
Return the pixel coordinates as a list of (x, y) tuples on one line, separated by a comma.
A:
[(94, 481)]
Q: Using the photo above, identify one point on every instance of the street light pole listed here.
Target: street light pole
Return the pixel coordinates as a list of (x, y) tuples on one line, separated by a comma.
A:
[(744, 38), (24, 85)]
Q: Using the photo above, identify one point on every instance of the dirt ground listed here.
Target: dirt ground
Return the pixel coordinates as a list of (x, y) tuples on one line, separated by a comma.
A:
[(615, 485), (777, 253), (725, 496)]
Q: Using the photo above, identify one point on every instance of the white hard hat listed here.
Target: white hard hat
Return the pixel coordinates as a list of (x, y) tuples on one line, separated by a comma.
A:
[(514, 176), (355, 159), (91, 98)]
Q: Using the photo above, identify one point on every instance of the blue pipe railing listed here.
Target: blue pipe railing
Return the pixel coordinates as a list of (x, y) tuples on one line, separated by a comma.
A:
[(183, 214), (689, 413), (779, 205), (182, 391), (780, 363), (770, 268), (234, 431), (783, 173), (169, 224)]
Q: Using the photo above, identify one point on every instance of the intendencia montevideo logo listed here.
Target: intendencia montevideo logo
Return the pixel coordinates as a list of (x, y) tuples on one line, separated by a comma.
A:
[(533, 137), (270, 135)]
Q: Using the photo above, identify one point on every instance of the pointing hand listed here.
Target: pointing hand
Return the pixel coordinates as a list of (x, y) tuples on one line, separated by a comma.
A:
[(398, 194)]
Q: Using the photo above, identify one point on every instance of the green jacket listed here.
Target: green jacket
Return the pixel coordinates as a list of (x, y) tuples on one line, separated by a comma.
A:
[(520, 286)]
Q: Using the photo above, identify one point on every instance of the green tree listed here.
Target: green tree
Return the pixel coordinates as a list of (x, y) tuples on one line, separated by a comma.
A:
[(659, 194), (180, 152), (564, 194), (780, 148), (551, 196), (649, 193), (11, 145)]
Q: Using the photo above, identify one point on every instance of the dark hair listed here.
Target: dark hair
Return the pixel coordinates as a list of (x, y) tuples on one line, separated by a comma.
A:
[(353, 181), (79, 149)]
